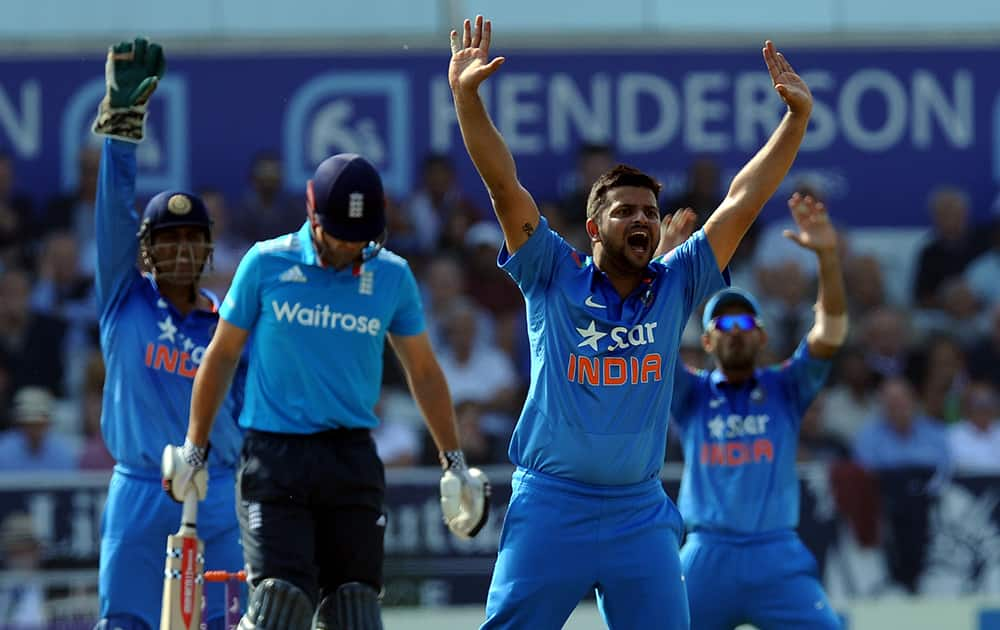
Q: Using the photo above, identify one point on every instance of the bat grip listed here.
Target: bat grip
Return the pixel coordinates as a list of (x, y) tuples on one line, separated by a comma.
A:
[(189, 513)]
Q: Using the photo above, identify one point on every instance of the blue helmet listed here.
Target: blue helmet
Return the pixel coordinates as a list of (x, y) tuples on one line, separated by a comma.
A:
[(174, 208), (348, 200)]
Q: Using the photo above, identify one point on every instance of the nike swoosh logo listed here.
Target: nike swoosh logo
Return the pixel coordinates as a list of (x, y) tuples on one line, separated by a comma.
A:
[(591, 303)]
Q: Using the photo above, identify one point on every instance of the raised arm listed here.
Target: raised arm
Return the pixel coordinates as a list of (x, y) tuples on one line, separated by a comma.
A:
[(760, 177), (816, 233), (116, 220), (470, 66), (131, 73)]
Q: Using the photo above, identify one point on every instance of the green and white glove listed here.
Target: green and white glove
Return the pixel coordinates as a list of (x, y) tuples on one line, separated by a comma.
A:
[(131, 74)]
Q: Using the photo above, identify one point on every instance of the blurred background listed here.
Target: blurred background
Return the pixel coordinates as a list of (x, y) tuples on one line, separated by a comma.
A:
[(904, 147)]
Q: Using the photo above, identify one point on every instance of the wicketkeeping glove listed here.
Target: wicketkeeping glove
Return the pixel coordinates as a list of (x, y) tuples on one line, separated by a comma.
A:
[(131, 74), (465, 495), (183, 467)]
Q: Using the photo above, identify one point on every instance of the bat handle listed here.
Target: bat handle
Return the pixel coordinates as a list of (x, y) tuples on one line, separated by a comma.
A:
[(189, 514)]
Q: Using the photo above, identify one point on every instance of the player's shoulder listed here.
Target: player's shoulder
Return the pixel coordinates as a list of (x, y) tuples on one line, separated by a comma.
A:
[(389, 261), (284, 246)]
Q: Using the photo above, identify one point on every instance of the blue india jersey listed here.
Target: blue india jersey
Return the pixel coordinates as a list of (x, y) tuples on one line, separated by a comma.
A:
[(601, 367), (740, 444), (319, 334), (151, 351)]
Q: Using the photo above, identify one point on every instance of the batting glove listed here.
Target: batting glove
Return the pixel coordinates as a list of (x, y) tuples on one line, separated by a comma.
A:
[(465, 495), (183, 468), (131, 74)]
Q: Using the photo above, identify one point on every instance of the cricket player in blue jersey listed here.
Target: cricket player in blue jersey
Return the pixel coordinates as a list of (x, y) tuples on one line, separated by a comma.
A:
[(154, 329), (739, 426), (588, 511), (321, 303)]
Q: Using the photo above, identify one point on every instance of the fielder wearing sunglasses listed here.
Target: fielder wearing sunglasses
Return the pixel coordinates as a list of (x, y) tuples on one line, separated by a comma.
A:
[(741, 321)]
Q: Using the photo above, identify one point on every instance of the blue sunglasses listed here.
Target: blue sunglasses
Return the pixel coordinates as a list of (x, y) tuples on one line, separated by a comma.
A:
[(729, 323)]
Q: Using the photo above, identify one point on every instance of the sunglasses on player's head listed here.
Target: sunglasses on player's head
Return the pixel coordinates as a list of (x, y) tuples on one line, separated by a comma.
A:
[(729, 323)]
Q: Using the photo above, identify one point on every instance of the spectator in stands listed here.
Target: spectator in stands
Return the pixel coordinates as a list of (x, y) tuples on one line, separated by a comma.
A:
[(479, 372), (975, 442), (937, 369), (865, 285), (267, 209), (397, 437), (75, 211), (30, 446), (703, 193), (788, 313), (899, 436), (982, 273), (592, 160), (960, 315), (951, 248), (22, 599), (984, 354), (816, 442), (853, 398), (487, 284), (443, 286), (16, 219), (61, 289), (31, 344), (404, 233), (94, 455), (884, 334), (439, 209)]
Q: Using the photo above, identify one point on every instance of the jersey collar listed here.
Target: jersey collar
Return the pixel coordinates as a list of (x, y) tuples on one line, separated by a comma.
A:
[(306, 245), (309, 256), (597, 277), (718, 378)]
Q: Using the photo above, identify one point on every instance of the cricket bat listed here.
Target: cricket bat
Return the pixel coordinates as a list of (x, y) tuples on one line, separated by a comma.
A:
[(183, 577)]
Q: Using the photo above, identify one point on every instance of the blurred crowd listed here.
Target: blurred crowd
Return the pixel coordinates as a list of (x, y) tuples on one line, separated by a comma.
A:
[(916, 386), (917, 383)]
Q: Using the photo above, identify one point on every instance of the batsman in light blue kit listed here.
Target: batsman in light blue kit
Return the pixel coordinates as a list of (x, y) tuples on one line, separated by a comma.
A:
[(154, 329), (321, 304), (739, 426), (588, 511)]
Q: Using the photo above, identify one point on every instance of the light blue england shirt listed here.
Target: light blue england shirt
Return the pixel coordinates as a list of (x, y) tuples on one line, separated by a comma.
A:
[(318, 333)]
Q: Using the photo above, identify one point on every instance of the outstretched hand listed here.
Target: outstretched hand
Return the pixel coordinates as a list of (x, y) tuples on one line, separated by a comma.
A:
[(470, 56), (675, 229), (816, 231), (790, 86)]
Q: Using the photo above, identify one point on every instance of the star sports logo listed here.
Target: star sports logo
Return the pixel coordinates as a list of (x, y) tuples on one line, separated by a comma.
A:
[(615, 370), (621, 337), (729, 448)]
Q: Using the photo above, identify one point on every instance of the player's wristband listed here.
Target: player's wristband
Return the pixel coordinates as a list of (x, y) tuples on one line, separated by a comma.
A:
[(452, 460), (196, 456)]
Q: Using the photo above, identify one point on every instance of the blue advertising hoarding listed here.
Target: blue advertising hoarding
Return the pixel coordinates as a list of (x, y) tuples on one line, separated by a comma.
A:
[(888, 125)]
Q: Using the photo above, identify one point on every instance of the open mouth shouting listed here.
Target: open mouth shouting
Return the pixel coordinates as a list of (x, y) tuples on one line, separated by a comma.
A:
[(639, 241)]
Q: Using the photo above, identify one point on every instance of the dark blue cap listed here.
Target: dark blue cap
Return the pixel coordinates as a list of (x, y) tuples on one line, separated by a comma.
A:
[(348, 199), (174, 208), (728, 297)]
